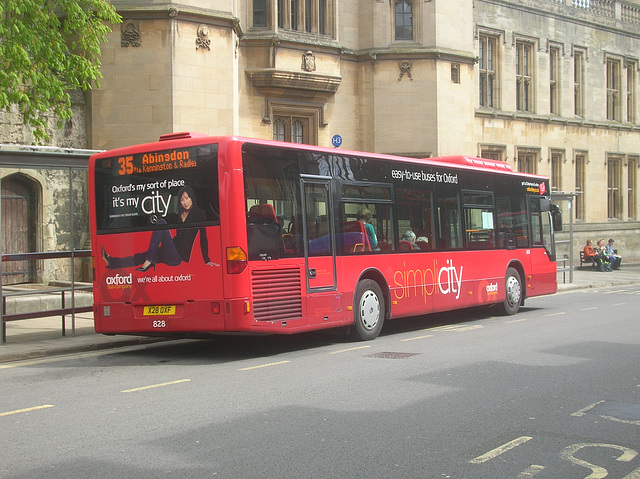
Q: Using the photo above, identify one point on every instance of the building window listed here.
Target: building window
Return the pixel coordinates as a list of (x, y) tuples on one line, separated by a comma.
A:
[(613, 90), (527, 162), (293, 10), (487, 60), (581, 161), (322, 16), (259, 13), (493, 152), (578, 84), (631, 92), (524, 76), (554, 81), (557, 160), (312, 16), (298, 127), (632, 178), (404, 20), (292, 128), (614, 194), (278, 130)]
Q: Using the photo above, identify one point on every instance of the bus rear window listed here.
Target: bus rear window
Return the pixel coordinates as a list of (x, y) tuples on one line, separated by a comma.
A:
[(140, 191)]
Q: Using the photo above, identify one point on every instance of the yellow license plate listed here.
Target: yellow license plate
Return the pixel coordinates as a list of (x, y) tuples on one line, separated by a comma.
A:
[(159, 311)]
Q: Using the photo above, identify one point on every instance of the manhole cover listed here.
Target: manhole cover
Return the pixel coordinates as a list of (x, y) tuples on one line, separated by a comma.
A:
[(391, 355)]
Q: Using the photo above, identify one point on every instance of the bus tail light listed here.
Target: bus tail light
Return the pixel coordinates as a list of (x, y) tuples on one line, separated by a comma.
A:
[(215, 307), (236, 260)]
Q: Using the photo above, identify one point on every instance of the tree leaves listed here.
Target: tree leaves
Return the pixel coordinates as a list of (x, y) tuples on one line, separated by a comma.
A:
[(48, 48)]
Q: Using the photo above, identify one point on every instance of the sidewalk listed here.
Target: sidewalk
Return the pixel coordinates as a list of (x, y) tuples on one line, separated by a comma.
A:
[(42, 337)]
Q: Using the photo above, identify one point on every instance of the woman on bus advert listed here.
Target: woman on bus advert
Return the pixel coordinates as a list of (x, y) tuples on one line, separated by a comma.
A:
[(167, 249)]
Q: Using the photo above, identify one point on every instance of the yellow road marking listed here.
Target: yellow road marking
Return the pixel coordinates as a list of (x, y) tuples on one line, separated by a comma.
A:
[(589, 309), (530, 471), (457, 328), (349, 349), (143, 388), (561, 313), (500, 450), (29, 409), (517, 320), (263, 366), (417, 337), (634, 474), (582, 411)]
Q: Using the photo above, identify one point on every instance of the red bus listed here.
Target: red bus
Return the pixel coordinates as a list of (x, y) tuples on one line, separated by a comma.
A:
[(197, 235)]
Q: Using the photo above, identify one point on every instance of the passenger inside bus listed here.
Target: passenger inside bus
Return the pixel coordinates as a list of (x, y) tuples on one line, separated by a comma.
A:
[(364, 216), (408, 241)]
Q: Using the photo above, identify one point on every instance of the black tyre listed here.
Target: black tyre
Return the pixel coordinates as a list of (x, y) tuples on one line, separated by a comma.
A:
[(513, 287), (368, 311)]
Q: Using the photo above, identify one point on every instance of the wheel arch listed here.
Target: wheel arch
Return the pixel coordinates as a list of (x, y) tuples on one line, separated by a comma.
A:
[(375, 275), (517, 265)]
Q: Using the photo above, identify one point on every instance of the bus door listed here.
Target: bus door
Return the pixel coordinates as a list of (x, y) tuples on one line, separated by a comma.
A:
[(319, 243), (543, 255)]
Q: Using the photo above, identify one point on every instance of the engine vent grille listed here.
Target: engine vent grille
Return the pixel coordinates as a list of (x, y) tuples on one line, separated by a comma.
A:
[(277, 294)]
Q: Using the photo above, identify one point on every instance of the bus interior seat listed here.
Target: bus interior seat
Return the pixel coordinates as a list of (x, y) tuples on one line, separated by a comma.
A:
[(264, 214), (352, 241), (384, 246), (423, 245), (263, 232), (404, 246)]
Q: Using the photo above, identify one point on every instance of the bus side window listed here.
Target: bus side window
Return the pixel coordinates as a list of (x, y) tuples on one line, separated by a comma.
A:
[(448, 218), (415, 213)]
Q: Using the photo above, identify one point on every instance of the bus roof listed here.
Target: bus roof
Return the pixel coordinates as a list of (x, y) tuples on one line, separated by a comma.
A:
[(178, 139)]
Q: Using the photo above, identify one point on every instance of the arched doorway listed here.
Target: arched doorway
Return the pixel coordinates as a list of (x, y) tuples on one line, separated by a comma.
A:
[(19, 210)]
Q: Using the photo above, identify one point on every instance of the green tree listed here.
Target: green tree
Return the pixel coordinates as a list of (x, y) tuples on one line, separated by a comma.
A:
[(47, 49)]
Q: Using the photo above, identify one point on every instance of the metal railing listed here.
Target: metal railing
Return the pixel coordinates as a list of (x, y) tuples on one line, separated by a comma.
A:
[(64, 309)]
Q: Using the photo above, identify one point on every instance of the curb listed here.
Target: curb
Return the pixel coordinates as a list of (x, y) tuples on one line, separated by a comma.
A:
[(46, 352)]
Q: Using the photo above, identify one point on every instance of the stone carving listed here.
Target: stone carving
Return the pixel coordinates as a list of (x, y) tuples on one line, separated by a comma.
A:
[(130, 34), (202, 40), (405, 69), (308, 61)]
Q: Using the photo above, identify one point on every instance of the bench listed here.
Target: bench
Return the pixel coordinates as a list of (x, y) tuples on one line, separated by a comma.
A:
[(587, 260)]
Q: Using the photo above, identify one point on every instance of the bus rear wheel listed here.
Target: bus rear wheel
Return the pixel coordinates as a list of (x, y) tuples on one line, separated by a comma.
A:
[(513, 289), (368, 311)]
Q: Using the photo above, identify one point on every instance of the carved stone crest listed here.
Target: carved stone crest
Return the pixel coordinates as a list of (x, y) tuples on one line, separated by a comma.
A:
[(130, 34), (308, 61), (202, 40), (405, 69)]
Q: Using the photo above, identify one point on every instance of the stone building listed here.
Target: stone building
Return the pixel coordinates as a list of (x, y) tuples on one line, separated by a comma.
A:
[(549, 86)]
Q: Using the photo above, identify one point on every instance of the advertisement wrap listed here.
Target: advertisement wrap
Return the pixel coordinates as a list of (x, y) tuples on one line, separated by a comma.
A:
[(157, 216)]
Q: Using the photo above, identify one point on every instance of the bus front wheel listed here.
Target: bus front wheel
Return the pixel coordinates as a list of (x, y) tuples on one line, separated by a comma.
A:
[(513, 287), (368, 311)]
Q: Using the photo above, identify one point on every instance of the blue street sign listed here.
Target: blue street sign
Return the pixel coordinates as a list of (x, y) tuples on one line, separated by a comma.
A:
[(336, 140)]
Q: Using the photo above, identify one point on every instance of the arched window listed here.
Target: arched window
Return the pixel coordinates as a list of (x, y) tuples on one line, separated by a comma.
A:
[(404, 20), (279, 130), (297, 131), (293, 126)]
